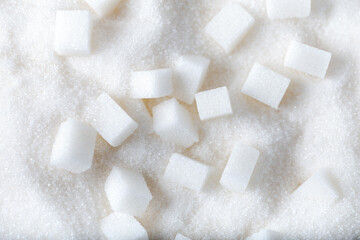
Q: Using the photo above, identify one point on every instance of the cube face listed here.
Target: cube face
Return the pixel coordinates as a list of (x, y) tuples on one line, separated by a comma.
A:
[(281, 9), (181, 237), (73, 30), (189, 74), (74, 145), (127, 191), (112, 122), (266, 234), (307, 59), (239, 168), (151, 84), (103, 7), (173, 123), (265, 85), (213, 103), (230, 26)]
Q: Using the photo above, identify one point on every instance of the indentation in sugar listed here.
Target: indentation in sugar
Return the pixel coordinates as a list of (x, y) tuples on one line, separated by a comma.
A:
[(280, 9), (173, 123), (74, 146), (73, 30), (127, 191), (239, 167), (103, 7), (307, 59), (189, 74), (151, 84), (111, 121), (230, 26), (265, 85), (120, 226), (181, 237), (213, 103), (187, 172), (266, 234)]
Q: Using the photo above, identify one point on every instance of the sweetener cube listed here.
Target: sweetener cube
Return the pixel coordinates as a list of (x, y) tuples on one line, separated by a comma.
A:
[(187, 172), (266, 234), (213, 103), (73, 31), (230, 26), (74, 145), (189, 74), (127, 191), (181, 237), (173, 123), (265, 85), (307, 59), (111, 121), (239, 168), (120, 226), (151, 84), (281, 9), (103, 7)]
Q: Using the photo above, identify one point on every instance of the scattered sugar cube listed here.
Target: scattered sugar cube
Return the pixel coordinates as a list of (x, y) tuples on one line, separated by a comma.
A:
[(73, 31), (127, 191), (181, 237), (151, 84), (281, 9), (239, 167), (74, 145), (307, 59), (230, 26), (112, 122), (213, 103), (189, 74), (173, 123), (266, 234), (265, 85), (103, 7), (187, 172), (120, 226)]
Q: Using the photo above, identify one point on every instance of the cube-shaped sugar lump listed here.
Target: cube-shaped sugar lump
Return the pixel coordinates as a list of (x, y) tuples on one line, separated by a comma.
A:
[(103, 7), (173, 123), (213, 103), (266, 234), (189, 74), (151, 84), (307, 59), (281, 9), (230, 26), (187, 172), (239, 168), (127, 191), (181, 237), (265, 85), (73, 30), (121, 226), (74, 145), (111, 121)]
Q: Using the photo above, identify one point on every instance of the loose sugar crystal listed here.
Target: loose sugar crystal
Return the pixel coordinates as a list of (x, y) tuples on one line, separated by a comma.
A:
[(181, 237), (266, 234), (280, 9), (103, 7)]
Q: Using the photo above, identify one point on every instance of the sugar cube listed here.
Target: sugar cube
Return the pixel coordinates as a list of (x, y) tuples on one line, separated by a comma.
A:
[(230, 26), (213, 103), (173, 123), (307, 59), (127, 191), (281, 9), (103, 7), (181, 237), (187, 172), (151, 84), (74, 146), (189, 74), (265, 85), (266, 234), (73, 30), (120, 226)]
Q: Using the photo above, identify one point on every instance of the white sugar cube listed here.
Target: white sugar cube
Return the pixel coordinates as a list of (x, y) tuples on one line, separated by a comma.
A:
[(239, 168), (74, 145), (230, 26), (187, 172), (173, 123), (151, 84), (120, 226), (189, 74), (266, 234), (281, 9), (265, 85), (181, 237), (103, 7), (73, 30), (127, 191), (213, 103), (111, 121), (307, 59)]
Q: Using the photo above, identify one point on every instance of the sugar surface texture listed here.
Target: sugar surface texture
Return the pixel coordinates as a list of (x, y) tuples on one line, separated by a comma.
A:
[(181, 237), (266, 234), (281, 9), (103, 7)]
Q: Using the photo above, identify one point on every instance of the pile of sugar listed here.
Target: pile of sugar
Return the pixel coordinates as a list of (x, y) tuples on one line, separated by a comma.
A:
[(317, 124)]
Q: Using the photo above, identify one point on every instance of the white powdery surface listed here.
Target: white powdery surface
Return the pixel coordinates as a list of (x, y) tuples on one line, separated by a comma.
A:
[(317, 126)]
